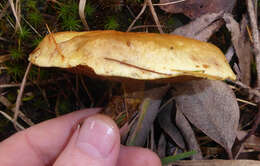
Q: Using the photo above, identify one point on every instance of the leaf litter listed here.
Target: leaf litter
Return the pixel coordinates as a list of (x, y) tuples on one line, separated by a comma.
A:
[(211, 106)]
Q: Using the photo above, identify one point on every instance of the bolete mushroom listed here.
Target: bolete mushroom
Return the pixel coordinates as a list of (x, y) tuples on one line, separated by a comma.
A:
[(140, 56), (129, 55)]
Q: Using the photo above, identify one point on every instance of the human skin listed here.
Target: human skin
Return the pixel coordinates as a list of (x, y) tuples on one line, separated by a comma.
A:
[(79, 138)]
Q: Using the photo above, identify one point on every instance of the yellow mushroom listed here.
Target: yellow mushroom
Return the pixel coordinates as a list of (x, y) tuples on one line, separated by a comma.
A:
[(140, 56)]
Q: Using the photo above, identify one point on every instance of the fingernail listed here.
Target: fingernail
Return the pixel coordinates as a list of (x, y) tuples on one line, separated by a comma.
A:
[(97, 136)]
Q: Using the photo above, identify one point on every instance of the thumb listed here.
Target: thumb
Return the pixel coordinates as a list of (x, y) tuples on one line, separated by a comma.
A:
[(96, 143)]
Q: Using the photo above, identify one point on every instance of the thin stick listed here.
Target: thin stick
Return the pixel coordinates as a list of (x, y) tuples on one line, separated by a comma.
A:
[(250, 90), (20, 94), (146, 26), (10, 105), (253, 20), (138, 16), (168, 3), (137, 67), (10, 118), (155, 16), (86, 89), (246, 102), (30, 25), (15, 15)]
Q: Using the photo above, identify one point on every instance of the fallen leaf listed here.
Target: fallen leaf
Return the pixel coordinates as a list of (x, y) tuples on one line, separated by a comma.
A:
[(147, 114), (202, 27), (212, 107), (242, 46), (161, 148), (189, 135), (217, 163), (194, 9), (165, 121)]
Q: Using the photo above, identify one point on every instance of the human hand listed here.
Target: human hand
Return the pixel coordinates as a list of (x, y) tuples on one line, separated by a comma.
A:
[(60, 142)]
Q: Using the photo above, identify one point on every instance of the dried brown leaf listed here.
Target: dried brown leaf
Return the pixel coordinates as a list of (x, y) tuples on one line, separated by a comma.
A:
[(188, 134), (194, 9), (161, 146), (149, 110), (201, 28), (169, 128), (242, 46), (212, 107)]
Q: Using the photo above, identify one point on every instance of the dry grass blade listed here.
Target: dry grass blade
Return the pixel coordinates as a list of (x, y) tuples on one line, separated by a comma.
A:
[(155, 17), (144, 108), (19, 97), (16, 13), (82, 4), (137, 17)]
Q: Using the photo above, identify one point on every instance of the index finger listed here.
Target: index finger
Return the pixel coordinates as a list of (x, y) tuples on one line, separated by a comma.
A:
[(41, 144)]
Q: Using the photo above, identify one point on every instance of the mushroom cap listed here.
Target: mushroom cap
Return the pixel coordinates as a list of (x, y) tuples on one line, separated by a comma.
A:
[(135, 55)]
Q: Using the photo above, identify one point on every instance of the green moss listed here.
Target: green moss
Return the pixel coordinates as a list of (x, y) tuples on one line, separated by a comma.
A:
[(35, 18), (71, 24), (16, 71), (31, 4), (24, 33), (68, 10), (68, 14), (111, 23), (89, 9), (16, 54)]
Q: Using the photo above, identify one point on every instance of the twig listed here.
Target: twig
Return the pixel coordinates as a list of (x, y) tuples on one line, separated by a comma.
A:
[(130, 11), (16, 13), (168, 3), (253, 20), (155, 16), (82, 4), (10, 118), (250, 90), (138, 16), (20, 94), (8, 104), (30, 25), (145, 26), (86, 89)]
